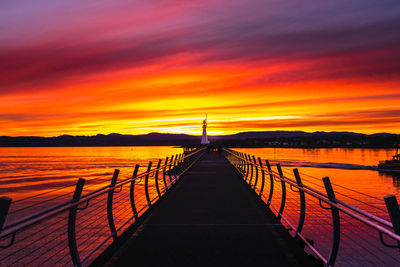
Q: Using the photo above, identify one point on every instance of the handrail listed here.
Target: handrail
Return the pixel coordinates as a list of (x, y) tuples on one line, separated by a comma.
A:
[(294, 184), (90, 195), (246, 164), (337, 206), (311, 191), (186, 161), (103, 190)]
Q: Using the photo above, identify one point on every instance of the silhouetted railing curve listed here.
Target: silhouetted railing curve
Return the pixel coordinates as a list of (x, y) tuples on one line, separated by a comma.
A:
[(370, 244), (75, 232)]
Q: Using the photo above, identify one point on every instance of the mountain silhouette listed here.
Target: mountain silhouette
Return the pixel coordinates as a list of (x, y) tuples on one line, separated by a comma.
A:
[(244, 139)]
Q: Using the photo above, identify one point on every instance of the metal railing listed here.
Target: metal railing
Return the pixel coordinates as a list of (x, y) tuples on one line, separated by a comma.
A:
[(326, 225), (75, 232)]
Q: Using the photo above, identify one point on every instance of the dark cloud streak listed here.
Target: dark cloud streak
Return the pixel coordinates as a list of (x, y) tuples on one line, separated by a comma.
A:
[(234, 39)]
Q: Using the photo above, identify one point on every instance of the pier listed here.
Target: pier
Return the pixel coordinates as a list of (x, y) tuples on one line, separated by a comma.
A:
[(211, 219), (203, 208)]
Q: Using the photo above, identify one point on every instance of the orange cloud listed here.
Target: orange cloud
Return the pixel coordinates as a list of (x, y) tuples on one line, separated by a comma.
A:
[(162, 67)]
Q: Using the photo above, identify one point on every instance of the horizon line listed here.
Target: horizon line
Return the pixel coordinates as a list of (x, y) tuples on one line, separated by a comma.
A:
[(309, 132)]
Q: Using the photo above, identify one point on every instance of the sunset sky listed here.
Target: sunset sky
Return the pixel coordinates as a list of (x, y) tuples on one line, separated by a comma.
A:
[(86, 67)]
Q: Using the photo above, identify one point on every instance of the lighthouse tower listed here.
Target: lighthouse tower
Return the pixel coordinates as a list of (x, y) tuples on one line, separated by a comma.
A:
[(204, 139)]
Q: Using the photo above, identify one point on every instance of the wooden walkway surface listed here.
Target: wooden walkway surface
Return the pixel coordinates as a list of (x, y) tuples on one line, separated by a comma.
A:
[(211, 218)]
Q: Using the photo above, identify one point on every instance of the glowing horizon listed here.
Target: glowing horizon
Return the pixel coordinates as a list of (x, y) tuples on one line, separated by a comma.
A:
[(89, 67)]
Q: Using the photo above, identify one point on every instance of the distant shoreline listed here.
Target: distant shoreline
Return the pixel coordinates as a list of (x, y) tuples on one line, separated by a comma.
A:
[(268, 139)]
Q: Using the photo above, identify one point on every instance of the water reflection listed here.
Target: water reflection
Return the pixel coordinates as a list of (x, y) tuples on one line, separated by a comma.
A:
[(396, 180), (356, 180), (394, 175), (349, 167), (48, 174)]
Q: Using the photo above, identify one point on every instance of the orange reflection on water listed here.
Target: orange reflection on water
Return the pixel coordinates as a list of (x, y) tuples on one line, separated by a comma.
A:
[(355, 180), (49, 174), (351, 168)]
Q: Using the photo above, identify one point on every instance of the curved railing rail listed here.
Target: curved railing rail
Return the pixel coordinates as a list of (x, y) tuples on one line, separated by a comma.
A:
[(75, 232), (342, 219)]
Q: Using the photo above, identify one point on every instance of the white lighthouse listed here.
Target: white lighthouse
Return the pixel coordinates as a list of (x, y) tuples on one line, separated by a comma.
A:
[(204, 139)]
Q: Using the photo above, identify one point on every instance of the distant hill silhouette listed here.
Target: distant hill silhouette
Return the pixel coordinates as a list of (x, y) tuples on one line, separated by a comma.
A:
[(281, 134), (244, 139), (100, 140)]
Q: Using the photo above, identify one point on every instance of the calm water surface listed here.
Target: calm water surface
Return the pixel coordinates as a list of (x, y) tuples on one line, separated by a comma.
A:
[(29, 172), (34, 174), (355, 180), (352, 168), (39, 177)]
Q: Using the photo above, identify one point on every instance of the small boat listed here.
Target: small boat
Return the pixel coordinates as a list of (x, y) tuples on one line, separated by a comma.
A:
[(393, 164)]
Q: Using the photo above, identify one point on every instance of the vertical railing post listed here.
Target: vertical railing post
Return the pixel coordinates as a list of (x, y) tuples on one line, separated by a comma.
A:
[(165, 174), (156, 178), (236, 159), (262, 176), (175, 168), (132, 192), (73, 248), (240, 162), (244, 166), (5, 204), (179, 165), (247, 172), (146, 184), (271, 183), (243, 162), (251, 171), (110, 196), (283, 192), (302, 202), (170, 170), (176, 165), (336, 222), (256, 171), (394, 213)]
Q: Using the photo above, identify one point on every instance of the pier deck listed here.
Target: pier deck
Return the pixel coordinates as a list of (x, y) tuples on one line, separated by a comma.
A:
[(211, 218)]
